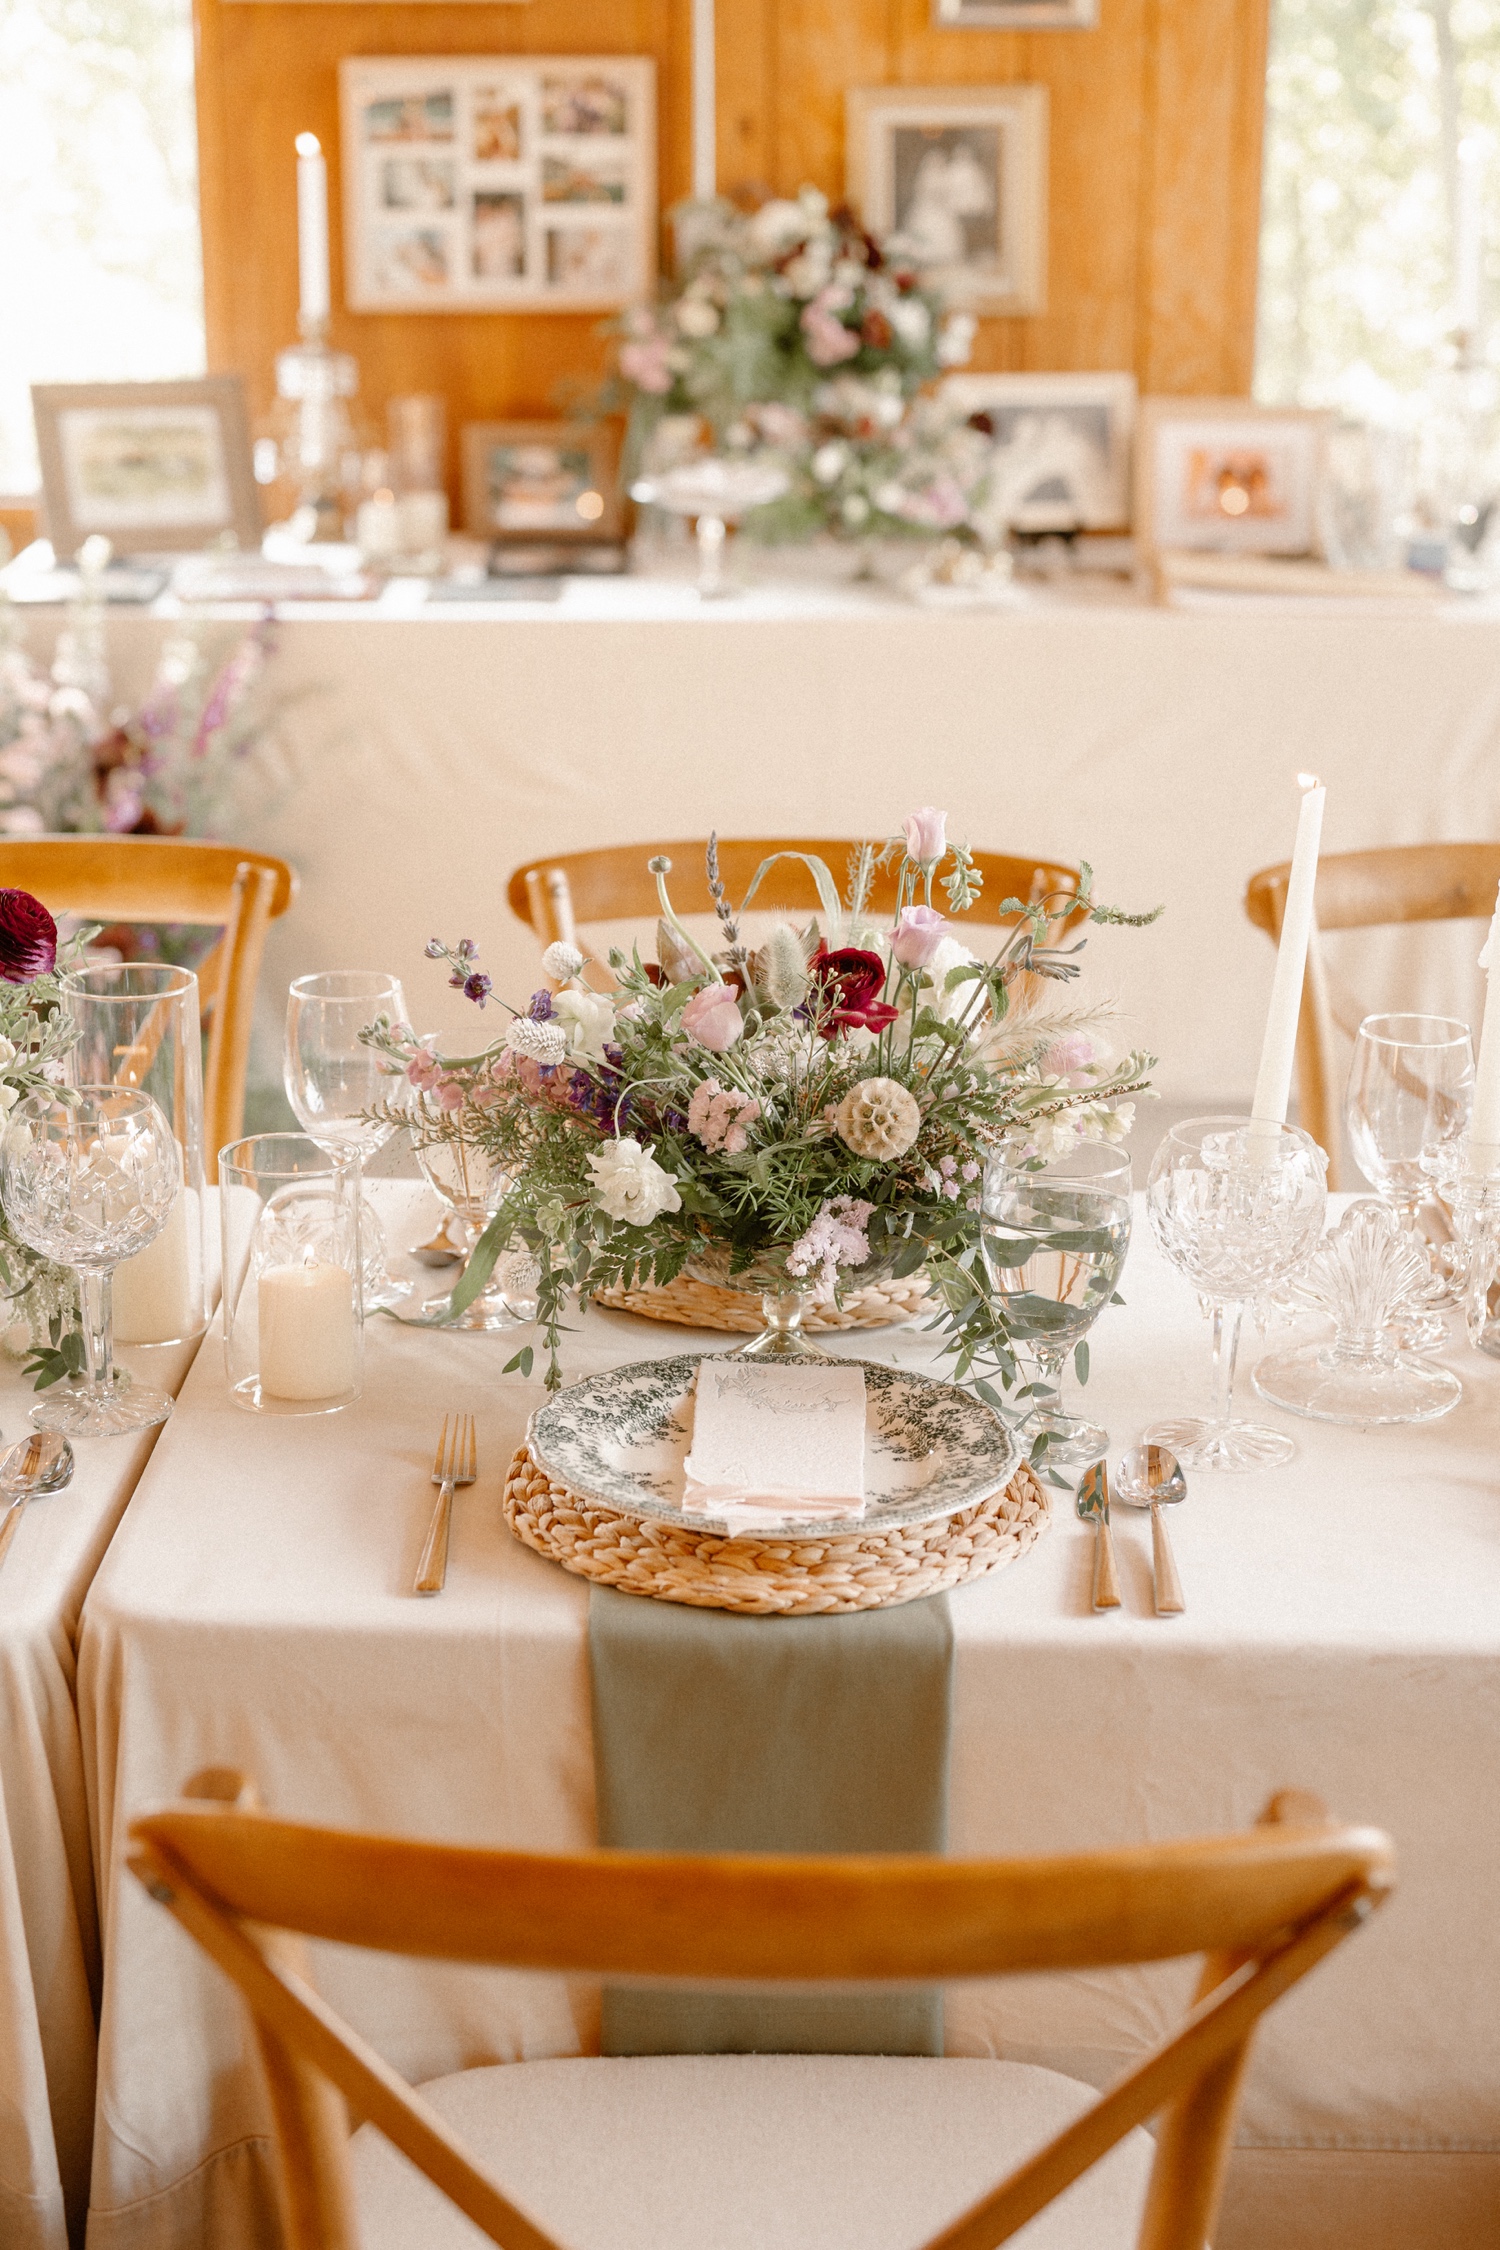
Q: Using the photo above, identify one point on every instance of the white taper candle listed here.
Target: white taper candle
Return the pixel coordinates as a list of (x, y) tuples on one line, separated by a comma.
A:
[(705, 103), (1273, 1083), (312, 232), (1484, 1128)]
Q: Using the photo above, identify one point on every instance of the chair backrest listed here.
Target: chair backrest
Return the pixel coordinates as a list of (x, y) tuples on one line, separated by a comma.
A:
[(169, 879), (1363, 891), (1262, 1907), (614, 885)]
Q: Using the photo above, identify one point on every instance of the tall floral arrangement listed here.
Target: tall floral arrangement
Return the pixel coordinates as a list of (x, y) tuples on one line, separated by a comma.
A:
[(809, 1112), (793, 328)]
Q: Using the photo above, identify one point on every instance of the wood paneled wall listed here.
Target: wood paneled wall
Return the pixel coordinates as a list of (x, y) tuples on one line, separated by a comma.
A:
[(1155, 171)]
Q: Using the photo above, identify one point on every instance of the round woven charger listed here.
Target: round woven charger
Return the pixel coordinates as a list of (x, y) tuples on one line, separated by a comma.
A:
[(760, 1575), (701, 1304)]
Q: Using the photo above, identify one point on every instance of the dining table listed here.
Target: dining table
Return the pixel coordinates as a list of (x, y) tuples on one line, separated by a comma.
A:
[(1341, 1635), (49, 1932)]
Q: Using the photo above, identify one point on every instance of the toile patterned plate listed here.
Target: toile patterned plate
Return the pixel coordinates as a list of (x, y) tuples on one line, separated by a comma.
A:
[(619, 1439)]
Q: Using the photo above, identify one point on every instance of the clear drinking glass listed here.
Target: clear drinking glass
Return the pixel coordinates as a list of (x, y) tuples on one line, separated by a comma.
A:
[(1237, 1208), (473, 1187), (332, 1079), (89, 1182), (138, 1025), (1410, 1094), (1054, 1240), (293, 1328)]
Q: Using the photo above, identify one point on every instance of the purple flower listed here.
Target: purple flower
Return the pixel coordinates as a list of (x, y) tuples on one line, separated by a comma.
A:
[(539, 1007), (28, 937), (477, 988), (466, 949), (434, 949)]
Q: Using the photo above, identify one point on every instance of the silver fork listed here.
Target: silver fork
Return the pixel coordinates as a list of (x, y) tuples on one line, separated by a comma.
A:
[(453, 1464)]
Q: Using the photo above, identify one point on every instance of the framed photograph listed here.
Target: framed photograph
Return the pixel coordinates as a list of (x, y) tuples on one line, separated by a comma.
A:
[(498, 183), (157, 468), (1017, 15), (1063, 445), (540, 480), (957, 177), (1228, 476)]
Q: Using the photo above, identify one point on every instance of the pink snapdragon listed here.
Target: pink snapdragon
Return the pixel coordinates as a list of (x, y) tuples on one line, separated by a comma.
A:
[(647, 362), (919, 933), (719, 1116), (836, 1238), (713, 1018), (828, 340), (424, 1070)]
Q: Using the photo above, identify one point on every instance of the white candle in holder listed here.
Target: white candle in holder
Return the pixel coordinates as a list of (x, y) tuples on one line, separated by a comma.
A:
[(1484, 1127), (309, 1337), (153, 1292), (312, 231), (1273, 1084)]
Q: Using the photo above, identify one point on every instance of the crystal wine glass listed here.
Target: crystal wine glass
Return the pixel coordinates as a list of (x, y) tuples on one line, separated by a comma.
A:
[(1411, 1089), (1054, 1239), (89, 1181), (1237, 1207), (473, 1186), (333, 1079)]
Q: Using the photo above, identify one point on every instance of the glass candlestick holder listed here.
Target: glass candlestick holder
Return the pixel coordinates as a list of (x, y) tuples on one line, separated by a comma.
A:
[(316, 445), (1476, 1225)]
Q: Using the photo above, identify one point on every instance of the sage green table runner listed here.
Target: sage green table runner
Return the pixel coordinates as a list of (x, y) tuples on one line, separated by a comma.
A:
[(770, 1734)]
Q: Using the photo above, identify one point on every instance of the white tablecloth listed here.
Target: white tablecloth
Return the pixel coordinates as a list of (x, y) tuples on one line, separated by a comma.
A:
[(433, 753), (49, 1940), (1342, 1633)]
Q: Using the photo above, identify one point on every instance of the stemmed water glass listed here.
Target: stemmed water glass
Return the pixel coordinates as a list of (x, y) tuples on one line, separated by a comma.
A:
[(1054, 1238), (1411, 1090), (1237, 1207), (333, 1080), (88, 1182)]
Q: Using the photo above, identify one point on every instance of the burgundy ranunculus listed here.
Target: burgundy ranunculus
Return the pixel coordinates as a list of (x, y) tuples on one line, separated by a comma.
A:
[(28, 937), (846, 986)]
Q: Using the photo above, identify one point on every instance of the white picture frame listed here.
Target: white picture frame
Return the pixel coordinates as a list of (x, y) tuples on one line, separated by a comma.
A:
[(956, 178), (498, 183), (1015, 15), (1193, 455), (155, 468), (1063, 445)]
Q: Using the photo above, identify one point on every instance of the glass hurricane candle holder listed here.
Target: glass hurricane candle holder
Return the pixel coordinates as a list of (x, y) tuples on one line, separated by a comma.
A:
[(293, 1309), (89, 1179), (138, 1026)]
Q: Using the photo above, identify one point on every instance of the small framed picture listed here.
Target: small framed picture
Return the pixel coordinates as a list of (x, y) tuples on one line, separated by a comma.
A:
[(956, 178), (1062, 445), (1227, 475), (498, 183), (540, 480), (157, 468), (1017, 15)]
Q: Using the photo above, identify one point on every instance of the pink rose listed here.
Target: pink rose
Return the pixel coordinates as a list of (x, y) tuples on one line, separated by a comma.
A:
[(919, 933), (926, 835), (713, 1018)]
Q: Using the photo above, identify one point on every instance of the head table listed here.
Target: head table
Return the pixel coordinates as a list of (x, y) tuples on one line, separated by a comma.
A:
[(49, 1933), (1342, 1633)]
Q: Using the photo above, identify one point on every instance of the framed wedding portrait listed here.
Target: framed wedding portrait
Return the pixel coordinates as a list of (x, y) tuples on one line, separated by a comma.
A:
[(540, 480), (498, 183), (1228, 476), (1062, 445), (1016, 15), (155, 468), (957, 178)]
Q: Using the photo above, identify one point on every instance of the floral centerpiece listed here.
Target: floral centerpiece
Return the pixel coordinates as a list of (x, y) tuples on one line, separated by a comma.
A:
[(796, 1116), (792, 328)]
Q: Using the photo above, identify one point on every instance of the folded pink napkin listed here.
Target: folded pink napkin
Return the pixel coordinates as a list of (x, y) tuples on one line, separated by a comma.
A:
[(775, 1444)]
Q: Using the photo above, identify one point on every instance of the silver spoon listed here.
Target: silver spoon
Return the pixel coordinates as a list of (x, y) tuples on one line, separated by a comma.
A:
[(1149, 1476), (39, 1464)]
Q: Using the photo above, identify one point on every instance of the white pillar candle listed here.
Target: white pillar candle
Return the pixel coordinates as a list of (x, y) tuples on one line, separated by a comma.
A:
[(1484, 1128), (153, 1291), (309, 1338), (705, 103), (312, 231), (1273, 1083)]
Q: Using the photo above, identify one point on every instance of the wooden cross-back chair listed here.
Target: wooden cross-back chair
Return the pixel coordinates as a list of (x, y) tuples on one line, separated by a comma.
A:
[(615, 885), (1364, 891), (1262, 1908), (161, 879)]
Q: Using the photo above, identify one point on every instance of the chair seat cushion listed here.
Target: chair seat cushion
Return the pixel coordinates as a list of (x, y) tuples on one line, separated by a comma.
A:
[(750, 2152)]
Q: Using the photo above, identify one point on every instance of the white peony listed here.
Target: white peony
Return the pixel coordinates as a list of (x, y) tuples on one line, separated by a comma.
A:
[(949, 1006), (629, 1184), (588, 1018)]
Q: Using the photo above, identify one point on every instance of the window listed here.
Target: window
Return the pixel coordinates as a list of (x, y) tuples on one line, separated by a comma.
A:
[(1382, 160), (100, 271)]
